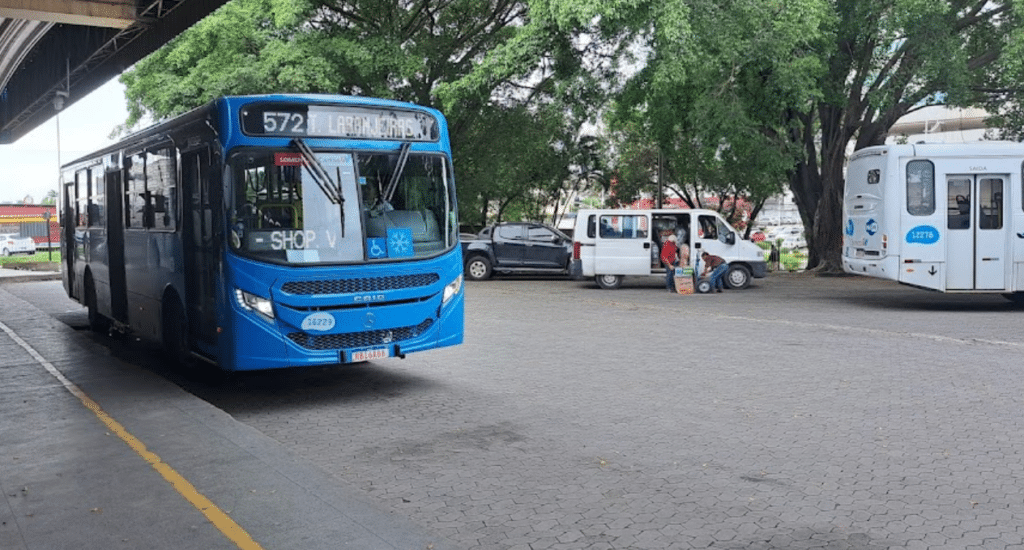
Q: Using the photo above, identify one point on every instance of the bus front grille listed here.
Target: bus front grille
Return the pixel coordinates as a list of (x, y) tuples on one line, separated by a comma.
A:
[(354, 340), (364, 284)]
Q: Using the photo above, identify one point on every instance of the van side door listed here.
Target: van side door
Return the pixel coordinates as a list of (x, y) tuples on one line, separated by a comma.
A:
[(623, 244)]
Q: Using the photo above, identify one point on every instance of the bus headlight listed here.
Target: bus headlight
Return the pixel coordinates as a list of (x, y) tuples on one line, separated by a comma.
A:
[(451, 289), (255, 303)]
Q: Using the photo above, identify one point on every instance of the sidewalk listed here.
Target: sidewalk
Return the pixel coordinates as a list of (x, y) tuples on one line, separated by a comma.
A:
[(10, 275), (71, 479)]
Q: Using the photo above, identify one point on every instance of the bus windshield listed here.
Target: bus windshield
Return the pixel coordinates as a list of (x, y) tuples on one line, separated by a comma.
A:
[(300, 206)]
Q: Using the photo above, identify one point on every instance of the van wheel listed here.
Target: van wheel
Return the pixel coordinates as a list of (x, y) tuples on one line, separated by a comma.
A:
[(737, 277), (609, 282), (478, 268)]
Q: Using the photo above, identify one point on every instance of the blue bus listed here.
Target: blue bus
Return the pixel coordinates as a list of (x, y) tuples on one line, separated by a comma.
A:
[(263, 232)]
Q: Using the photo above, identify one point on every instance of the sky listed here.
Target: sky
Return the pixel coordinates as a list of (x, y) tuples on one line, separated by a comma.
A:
[(30, 165)]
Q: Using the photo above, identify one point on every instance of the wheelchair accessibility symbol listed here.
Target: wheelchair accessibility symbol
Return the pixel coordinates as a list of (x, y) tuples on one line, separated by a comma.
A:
[(376, 248)]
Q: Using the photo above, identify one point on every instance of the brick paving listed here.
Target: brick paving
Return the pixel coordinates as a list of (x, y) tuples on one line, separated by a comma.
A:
[(804, 412)]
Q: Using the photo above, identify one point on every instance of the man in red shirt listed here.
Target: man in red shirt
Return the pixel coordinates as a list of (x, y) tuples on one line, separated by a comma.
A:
[(669, 259), (717, 266)]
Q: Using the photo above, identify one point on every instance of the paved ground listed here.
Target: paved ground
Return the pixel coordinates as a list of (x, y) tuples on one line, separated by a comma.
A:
[(835, 413), (98, 453)]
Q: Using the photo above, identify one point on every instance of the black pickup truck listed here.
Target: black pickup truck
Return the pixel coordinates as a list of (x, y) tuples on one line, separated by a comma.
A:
[(516, 247)]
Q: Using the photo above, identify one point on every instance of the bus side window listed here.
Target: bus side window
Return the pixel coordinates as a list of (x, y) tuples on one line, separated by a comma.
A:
[(958, 212), (920, 188)]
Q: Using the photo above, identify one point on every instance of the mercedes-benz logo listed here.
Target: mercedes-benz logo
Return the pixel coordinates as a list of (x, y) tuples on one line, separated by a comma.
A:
[(368, 320)]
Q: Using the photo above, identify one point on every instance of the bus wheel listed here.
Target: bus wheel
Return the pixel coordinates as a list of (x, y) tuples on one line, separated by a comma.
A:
[(738, 277), (1016, 297), (175, 333), (478, 268), (97, 322), (609, 282)]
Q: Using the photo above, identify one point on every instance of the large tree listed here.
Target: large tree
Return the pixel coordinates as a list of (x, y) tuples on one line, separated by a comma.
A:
[(885, 60), (507, 129), (810, 78)]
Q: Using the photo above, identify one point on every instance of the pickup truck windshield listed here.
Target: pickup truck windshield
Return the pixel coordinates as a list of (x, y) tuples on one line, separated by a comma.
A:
[(347, 207)]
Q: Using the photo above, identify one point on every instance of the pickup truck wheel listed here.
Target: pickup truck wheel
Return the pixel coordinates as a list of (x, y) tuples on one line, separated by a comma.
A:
[(609, 282), (478, 268), (737, 277)]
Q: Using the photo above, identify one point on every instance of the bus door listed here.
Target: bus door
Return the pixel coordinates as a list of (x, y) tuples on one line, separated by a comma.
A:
[(200, 246), (68, 249), (623, 244), (976, 229), (115, 245)]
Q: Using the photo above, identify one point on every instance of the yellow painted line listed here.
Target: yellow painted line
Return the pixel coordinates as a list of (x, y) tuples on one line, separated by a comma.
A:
[(217, 517)]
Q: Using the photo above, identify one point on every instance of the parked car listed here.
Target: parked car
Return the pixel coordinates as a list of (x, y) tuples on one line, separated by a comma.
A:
[(12, 243), (516, 247)]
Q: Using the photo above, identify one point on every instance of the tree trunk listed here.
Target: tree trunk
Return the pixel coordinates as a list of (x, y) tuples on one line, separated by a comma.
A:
[(826, 254)]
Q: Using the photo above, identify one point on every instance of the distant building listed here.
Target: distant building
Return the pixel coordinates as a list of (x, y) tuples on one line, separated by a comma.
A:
[(939, 124), (29, 220)]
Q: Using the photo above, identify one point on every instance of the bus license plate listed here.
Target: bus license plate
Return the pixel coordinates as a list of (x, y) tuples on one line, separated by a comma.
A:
[(370, 354)]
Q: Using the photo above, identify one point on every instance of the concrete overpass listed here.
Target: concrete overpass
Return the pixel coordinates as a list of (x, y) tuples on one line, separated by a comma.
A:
[(54, 52)]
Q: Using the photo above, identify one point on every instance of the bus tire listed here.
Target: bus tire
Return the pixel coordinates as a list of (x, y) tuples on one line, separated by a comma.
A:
[(478, 268), (1016, 297), (737, 277), (97, 322), (6, 253), (609, 282), (175, 332)]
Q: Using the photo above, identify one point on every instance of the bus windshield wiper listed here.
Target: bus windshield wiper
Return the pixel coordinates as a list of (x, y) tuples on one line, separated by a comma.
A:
[(403, 157), (331, 188)]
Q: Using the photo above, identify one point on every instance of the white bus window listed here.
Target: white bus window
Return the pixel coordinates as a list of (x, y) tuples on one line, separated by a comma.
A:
[(990, 195), (958, 207), (920, 188)]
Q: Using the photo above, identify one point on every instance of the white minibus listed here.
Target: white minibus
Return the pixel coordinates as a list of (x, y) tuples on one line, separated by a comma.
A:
[(946, 217), (611, 244)]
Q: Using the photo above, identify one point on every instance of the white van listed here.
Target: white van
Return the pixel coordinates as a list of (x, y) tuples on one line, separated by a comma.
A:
[(611, 244)]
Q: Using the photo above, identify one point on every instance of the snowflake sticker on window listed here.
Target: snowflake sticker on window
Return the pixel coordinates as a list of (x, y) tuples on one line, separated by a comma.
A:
[(400, 242)]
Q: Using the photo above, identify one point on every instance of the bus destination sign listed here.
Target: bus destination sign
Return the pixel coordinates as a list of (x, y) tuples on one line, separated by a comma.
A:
[(337, 121)]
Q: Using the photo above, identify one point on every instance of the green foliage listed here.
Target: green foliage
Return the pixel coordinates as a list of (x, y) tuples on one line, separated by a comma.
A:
[(513, 88), (733, 99), (778, 90), (708, 104)]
